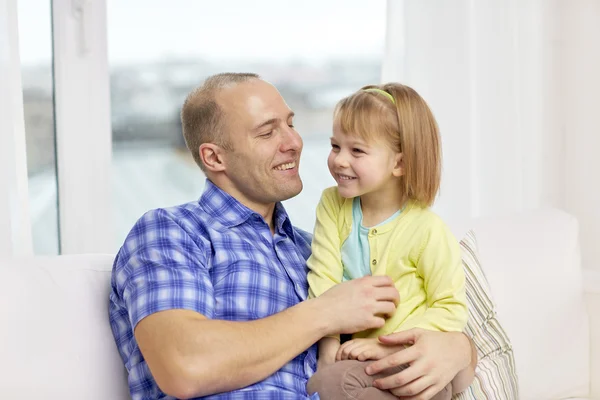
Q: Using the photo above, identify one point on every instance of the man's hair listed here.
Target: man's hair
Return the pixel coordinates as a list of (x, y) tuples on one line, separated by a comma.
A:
[(202, 119), (407, 124)]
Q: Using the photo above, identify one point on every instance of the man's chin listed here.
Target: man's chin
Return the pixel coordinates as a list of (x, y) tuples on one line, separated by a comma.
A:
[(290, 190)]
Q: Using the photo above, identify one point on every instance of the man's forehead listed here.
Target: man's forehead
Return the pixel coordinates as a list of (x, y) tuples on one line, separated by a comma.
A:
[(255, 101)]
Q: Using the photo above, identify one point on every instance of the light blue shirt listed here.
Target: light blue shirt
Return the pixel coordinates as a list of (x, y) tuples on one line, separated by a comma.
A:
[(355, 249)]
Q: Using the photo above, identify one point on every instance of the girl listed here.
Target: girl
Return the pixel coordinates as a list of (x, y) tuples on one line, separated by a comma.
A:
[(386, 159)]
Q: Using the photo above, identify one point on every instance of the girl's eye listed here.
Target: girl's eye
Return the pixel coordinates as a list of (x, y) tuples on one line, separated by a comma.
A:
[(357, 150)]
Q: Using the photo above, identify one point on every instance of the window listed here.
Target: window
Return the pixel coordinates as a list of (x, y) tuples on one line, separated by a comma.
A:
[(35, 37), (315, 52)]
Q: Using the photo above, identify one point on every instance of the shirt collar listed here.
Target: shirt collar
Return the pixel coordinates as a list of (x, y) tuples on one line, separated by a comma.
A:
[(282, 221), (229, 212)]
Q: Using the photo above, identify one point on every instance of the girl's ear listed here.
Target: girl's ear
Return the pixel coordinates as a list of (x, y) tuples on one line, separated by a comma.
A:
[(398, 170)]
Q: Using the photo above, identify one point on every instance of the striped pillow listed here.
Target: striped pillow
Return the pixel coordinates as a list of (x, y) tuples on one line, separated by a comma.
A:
[(495, 376)]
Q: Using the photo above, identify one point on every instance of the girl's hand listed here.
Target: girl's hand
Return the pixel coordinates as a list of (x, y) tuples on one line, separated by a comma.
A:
[(328, 347), (365, 349)]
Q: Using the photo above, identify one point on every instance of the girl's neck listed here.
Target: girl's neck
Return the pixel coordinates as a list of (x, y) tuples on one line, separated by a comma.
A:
[(378, 206)]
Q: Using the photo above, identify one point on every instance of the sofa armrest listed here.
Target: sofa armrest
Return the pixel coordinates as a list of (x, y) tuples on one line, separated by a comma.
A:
[(592, 297)]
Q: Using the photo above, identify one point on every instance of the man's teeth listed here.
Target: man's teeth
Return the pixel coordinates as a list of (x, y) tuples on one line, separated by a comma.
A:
[(283, 167)]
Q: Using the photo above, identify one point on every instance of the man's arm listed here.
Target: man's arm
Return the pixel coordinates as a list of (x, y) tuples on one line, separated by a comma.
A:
[(191, 356)]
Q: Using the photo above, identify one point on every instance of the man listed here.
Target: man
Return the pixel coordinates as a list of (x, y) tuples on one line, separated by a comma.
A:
[(208, 298)]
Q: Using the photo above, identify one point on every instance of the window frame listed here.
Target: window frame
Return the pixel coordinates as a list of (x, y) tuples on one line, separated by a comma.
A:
[(15, 224), (83, 128)]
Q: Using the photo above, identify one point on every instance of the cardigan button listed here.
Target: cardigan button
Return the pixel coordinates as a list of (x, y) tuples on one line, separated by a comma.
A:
[(374, 262), (374, 231)]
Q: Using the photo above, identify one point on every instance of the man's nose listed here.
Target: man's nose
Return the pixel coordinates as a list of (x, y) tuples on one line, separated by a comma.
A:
[(291, 141)]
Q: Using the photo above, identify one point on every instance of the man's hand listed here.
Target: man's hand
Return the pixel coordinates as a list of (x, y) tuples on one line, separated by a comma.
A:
[(434, 358), (358, 305), (365, 349)]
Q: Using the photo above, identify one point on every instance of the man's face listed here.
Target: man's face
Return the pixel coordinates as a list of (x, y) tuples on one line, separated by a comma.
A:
[(263, 165)]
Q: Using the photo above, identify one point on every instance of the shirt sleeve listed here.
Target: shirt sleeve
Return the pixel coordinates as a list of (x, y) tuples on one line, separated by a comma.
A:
[(440, 267), (160, 267), (325, 263)]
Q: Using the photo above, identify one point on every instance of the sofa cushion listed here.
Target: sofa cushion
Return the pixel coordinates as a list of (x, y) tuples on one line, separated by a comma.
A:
[(55, 340), (495, 374), (531, 261)]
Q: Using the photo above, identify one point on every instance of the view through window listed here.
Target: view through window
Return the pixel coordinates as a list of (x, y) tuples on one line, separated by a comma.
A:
[(314, 52), (35, 46)]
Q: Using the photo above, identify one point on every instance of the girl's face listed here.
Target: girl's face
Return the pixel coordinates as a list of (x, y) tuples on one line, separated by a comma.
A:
[(360, 167)]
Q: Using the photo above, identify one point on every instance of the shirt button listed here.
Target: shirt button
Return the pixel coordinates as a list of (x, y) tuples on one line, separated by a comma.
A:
[(374, 262)]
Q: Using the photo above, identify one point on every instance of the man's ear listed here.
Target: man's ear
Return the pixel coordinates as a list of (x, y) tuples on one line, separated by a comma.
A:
[(212, 157), (398, 170)]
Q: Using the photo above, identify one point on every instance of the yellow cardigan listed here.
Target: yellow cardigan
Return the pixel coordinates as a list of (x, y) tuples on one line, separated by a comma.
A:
[(416, 249)]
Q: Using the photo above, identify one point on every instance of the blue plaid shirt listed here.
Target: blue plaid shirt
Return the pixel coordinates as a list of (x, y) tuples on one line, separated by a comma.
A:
[(219, 258)]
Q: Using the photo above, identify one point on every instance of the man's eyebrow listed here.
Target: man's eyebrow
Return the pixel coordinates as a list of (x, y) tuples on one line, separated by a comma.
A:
[(267, 122), (272, 121)]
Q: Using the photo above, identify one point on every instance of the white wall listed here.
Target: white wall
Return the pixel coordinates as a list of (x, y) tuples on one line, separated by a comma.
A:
[(15, 229), (514, 85), (581, 62)]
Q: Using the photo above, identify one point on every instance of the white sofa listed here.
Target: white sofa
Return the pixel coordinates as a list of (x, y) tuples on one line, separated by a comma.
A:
[(56, 342)]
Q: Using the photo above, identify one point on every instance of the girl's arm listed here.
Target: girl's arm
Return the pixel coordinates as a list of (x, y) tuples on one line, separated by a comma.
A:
[(465, 377), (328, 348), (325, 263), (439, 264)]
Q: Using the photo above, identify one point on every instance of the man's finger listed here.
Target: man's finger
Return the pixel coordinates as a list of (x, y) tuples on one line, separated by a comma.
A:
[(405, 337), (386, 308), (406, 376), (397, 359), (428, 393), (388, 294), (381, 281), (405, 383)]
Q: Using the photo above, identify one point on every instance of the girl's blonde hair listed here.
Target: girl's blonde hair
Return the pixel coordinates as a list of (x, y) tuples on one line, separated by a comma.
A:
[(409, 127)]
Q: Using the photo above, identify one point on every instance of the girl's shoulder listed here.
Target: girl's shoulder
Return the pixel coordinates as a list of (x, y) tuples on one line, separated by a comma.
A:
[(424, 217), (331, 196)]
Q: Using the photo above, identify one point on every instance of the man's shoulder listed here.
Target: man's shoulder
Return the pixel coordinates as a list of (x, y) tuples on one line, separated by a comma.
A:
[(168, 226), (302, 235), (181, 215)]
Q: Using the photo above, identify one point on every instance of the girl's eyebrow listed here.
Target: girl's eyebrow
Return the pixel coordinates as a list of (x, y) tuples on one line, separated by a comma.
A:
[(359, 142)]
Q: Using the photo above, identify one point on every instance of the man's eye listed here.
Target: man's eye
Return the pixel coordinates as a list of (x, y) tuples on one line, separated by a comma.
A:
[(266, 135), (291, 125)]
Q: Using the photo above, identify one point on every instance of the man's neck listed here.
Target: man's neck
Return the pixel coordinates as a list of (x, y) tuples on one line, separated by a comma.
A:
[(265, 210)]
